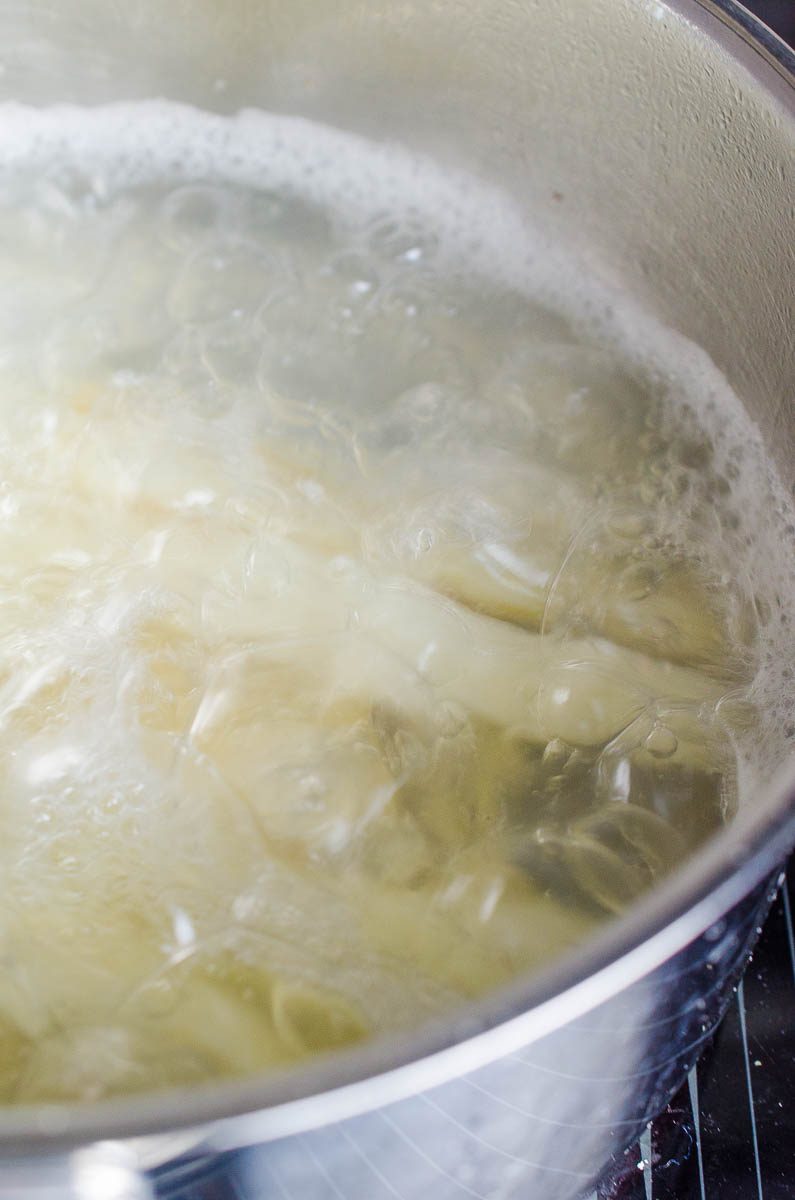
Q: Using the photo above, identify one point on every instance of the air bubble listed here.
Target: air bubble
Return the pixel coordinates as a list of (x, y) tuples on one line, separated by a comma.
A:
[(629, 525), (661, 742), (195, 214), (218, 283)]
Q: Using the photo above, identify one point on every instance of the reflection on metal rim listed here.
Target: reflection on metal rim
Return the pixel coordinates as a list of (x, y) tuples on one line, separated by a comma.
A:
[(764, 40)]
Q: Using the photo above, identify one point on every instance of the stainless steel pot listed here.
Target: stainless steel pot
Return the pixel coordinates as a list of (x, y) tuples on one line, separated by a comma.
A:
[(666, 129)]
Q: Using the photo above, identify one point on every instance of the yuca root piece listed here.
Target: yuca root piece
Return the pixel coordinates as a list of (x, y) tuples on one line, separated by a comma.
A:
[(584, 691), (518, 574), (490, 922), (308, 492)]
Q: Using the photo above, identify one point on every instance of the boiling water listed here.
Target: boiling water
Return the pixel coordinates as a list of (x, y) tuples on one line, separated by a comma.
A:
[(375, 599)]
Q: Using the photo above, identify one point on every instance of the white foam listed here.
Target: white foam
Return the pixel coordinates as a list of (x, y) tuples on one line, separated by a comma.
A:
[(130, 144)]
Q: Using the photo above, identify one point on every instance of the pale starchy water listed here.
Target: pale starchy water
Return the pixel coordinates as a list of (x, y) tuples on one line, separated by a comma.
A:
[(384, 601)]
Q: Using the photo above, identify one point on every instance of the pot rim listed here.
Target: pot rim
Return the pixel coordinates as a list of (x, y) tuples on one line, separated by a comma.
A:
[(760, 37), (387, 1069)]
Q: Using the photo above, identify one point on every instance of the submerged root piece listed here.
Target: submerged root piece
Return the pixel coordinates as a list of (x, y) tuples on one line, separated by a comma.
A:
[(584, 691)]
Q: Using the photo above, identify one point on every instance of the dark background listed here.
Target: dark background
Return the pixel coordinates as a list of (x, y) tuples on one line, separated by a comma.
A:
[(778, 14)]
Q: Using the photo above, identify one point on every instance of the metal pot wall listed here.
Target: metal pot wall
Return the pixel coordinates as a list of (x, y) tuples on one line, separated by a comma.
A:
[(668, 129)]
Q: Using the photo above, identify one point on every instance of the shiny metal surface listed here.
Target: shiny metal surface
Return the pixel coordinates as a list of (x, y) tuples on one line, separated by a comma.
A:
[(510, 1129), (671, 137)]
